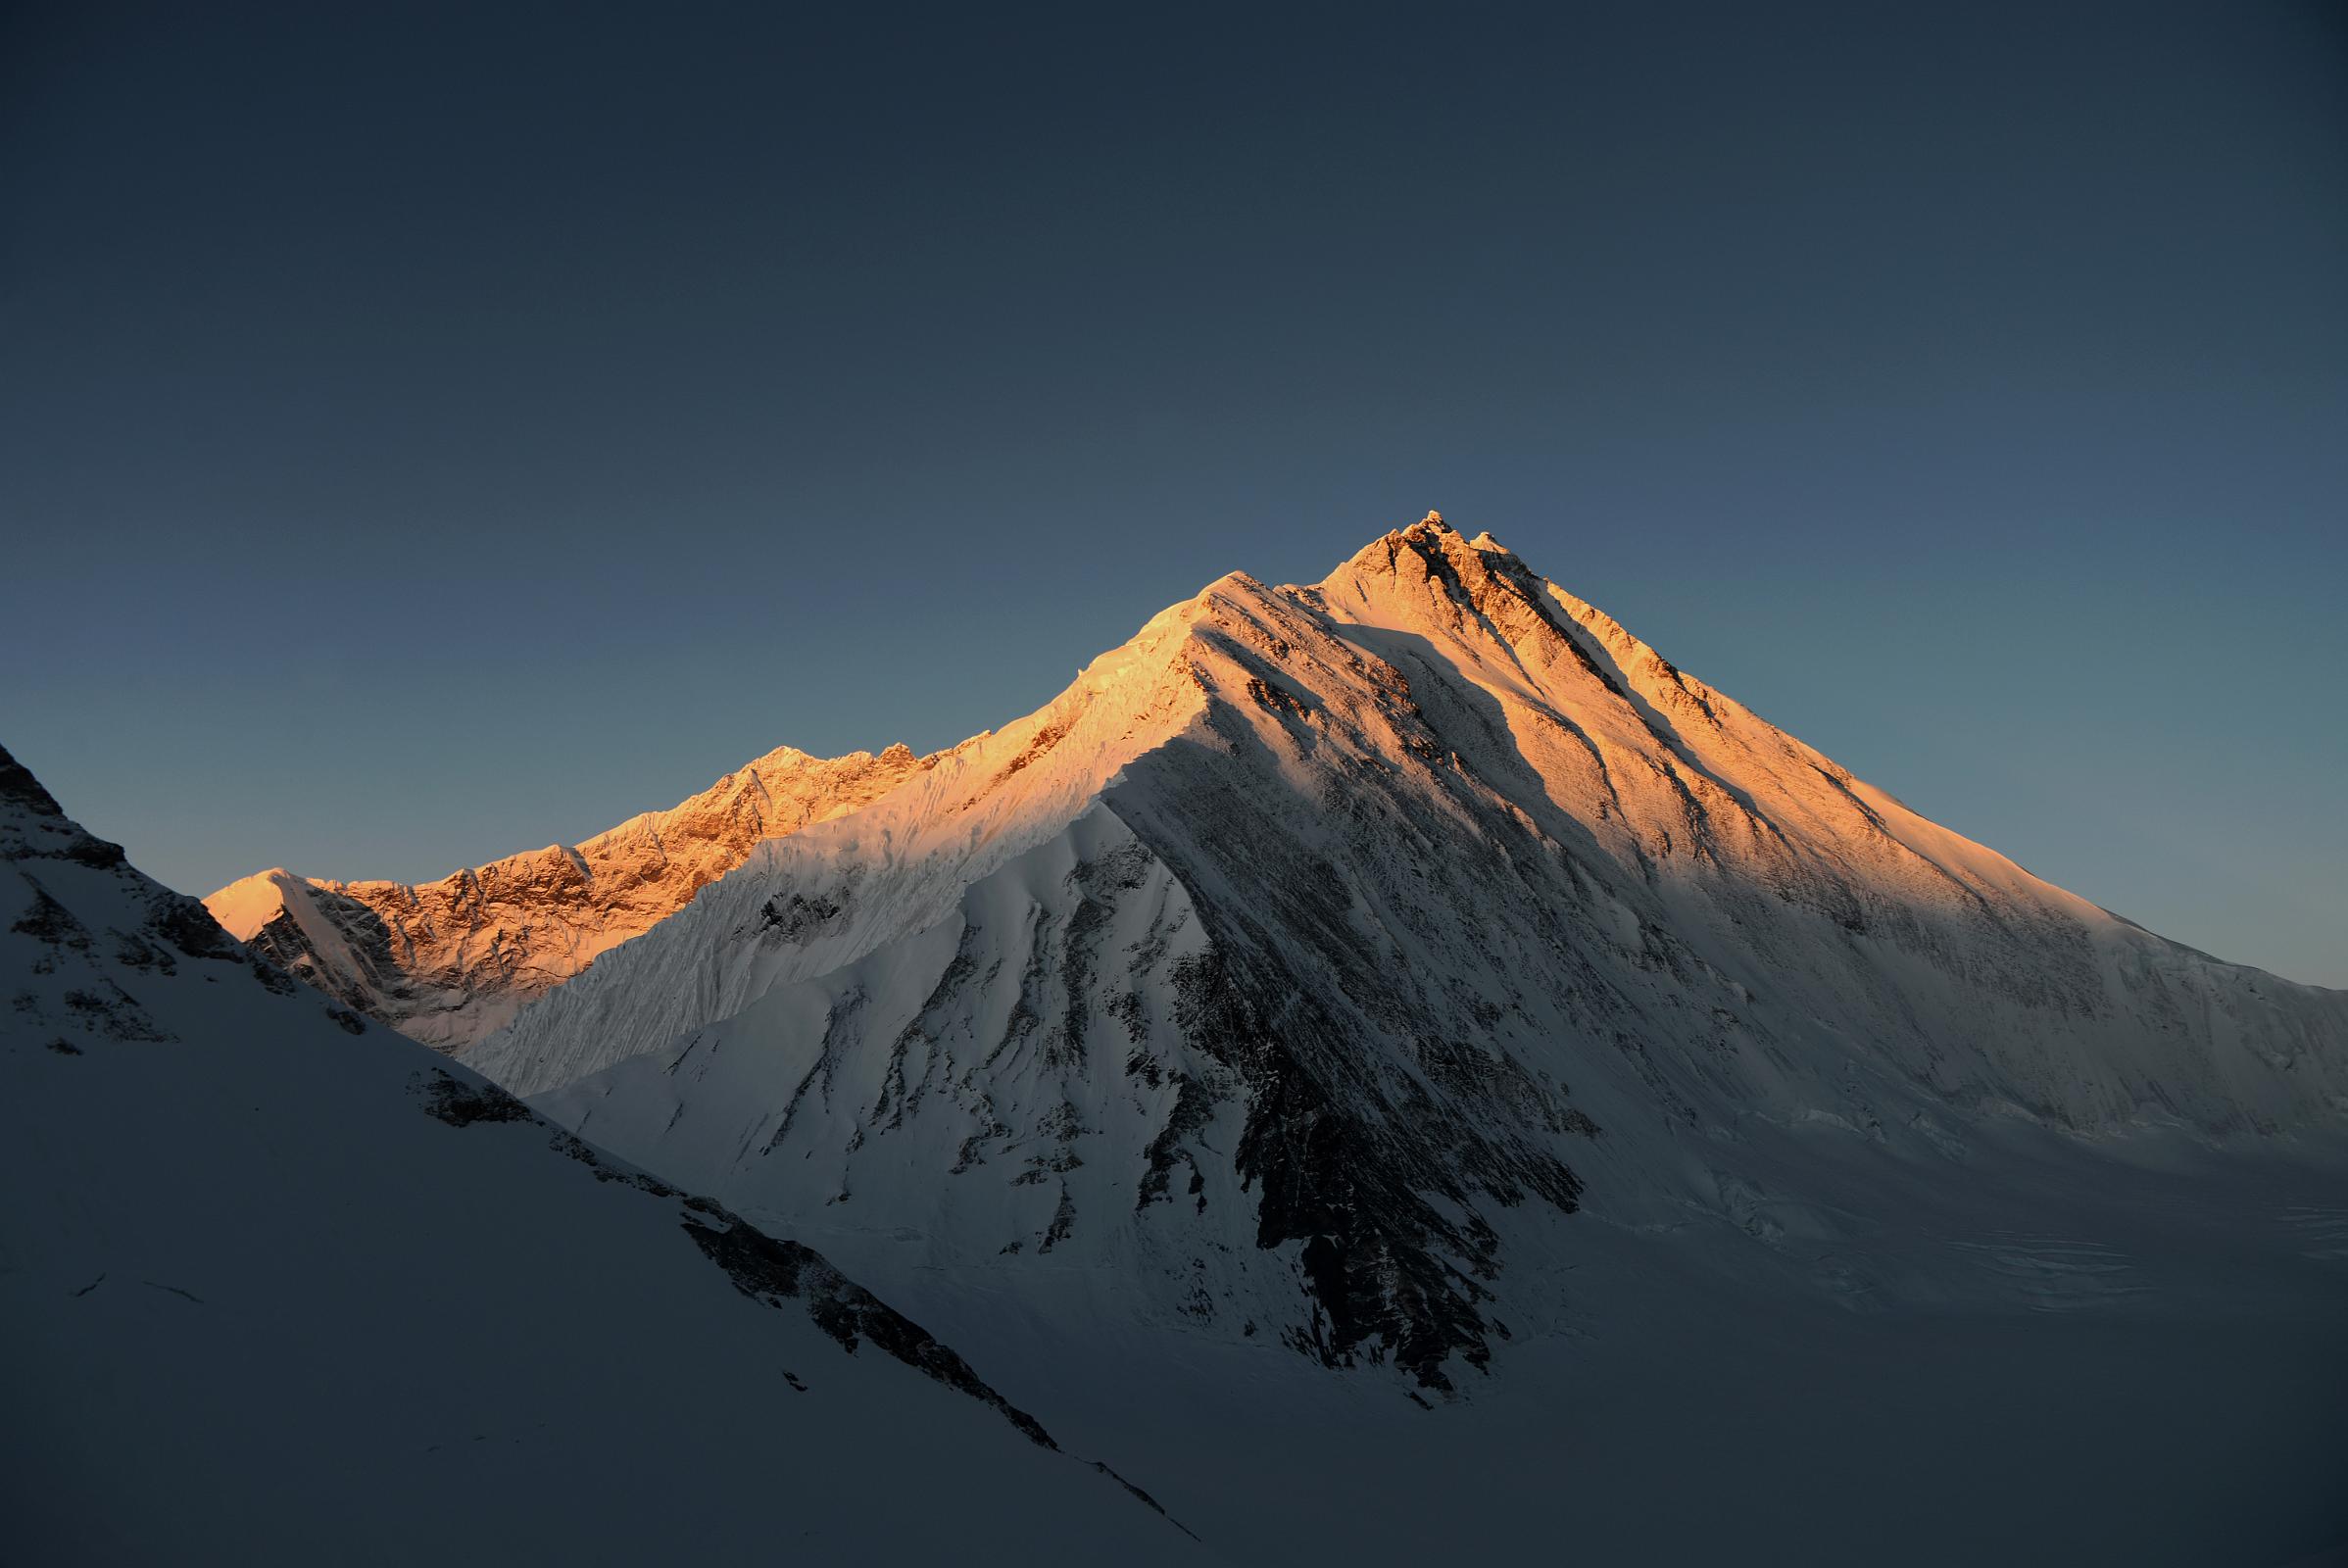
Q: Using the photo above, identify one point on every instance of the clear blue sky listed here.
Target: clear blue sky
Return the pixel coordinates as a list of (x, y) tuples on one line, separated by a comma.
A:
[(430, 433)]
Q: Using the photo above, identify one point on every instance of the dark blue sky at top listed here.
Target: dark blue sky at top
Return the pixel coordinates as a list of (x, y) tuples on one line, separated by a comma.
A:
[(427, 432)]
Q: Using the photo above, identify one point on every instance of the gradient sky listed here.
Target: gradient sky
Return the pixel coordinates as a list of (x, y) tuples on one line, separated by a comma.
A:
[(430, 433)]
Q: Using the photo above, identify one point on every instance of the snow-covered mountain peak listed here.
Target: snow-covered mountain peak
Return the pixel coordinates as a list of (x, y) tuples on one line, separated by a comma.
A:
[(1320, 936), (249, 903)]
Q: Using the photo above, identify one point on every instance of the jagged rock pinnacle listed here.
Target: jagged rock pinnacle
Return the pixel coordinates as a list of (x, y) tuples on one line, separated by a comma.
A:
[(1434, 517)]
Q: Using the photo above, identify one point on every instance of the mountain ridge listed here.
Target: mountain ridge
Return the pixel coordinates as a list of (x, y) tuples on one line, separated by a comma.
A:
[(1315, 937), (446, 962)]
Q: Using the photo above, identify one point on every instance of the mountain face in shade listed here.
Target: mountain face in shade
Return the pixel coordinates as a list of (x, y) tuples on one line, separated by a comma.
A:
[(282, 1286), (1324, 962), (447, 961)]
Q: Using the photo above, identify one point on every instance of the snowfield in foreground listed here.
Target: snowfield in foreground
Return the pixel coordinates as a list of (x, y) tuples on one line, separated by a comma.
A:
[(283, 1286)]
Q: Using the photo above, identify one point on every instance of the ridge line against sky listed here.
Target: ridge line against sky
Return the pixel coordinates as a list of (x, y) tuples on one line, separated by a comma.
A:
[(438, 434)]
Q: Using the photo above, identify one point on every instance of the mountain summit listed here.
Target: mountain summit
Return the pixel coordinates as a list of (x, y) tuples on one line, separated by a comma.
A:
[(1324, 949)]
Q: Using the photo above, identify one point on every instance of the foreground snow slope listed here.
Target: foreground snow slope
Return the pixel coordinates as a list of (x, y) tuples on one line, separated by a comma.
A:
[(282, 1286), (1321, 961), (447, 961), (2117, 1362)]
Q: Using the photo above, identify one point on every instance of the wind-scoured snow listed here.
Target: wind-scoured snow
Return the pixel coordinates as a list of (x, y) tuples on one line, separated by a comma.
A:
[(277, 1285)]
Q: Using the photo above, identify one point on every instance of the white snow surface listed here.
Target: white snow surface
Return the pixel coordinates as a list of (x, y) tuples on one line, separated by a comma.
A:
[(279, 1286)]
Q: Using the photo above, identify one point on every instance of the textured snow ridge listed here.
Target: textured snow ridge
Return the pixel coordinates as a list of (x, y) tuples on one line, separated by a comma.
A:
[(824, 896), (447, 961), (283, 1286), (1324, 949)]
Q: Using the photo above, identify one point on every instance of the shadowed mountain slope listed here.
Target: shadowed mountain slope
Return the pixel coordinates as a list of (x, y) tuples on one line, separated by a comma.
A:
[(283, 1286)]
